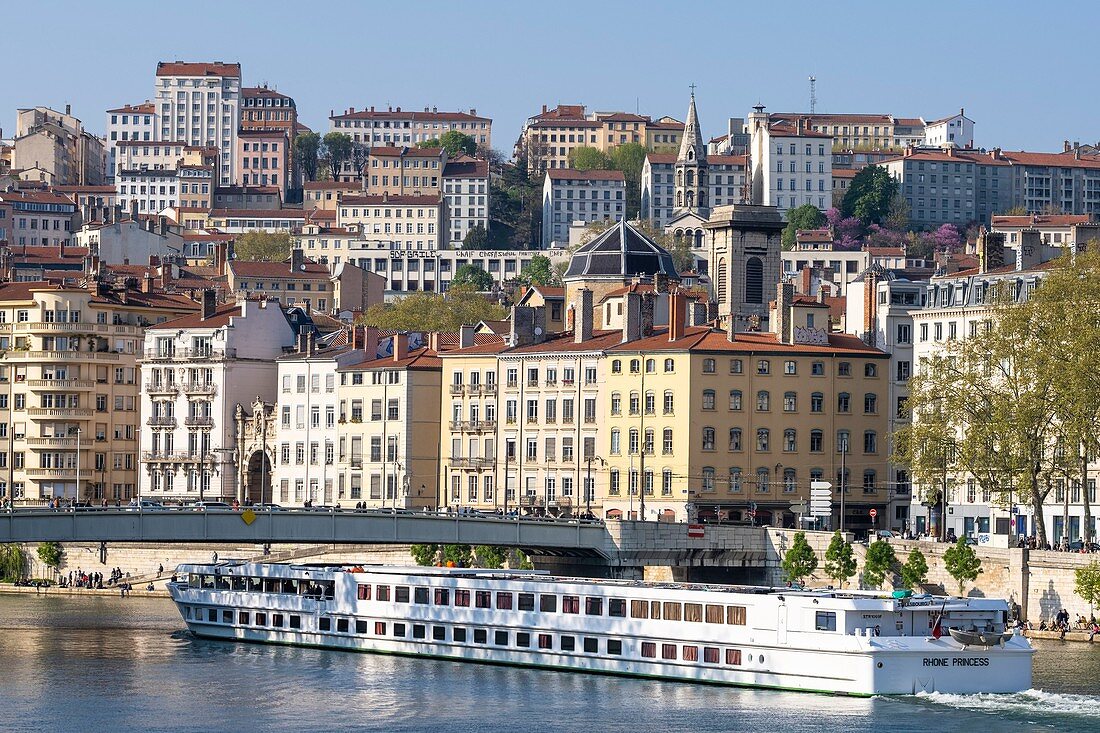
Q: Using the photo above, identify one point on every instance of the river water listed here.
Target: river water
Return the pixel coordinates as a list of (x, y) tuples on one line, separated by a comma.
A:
[(107, 664)]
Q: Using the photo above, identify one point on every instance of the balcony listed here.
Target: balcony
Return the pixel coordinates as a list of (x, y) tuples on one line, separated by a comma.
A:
[(551, 383), (118, 329), (60, 412), (210, 354), (487, 388), (66, 442), (161, 421), (513, 384), (150, 456), (471, 462), (69, 384), (61, 473), (202, 388), (457, 389), (161, 389), (16, 354), (198, 421), (532, 382)]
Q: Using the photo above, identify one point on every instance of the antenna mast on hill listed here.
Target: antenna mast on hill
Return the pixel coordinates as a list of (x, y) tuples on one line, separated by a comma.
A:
[(813, 94)]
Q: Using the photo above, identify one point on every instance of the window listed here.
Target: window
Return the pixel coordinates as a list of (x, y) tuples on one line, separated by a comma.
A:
[(708, 399), (483, 599), (733, 657), (591, 645), (843, 402), (481, 636), (459, 635), (668, 651), (504, 601), (817, 368), (762, 437), (790, 367), (735, 439), (708, 366), (546, 641), (593, 606), (649, 649), (548, 603), (736, 366), (790, 402), (763, 366), (735, 615), (670, 365), (870, 442), (500, 638), (844, 369), (691, 653), (825, 621), (616, 607), (763, 400), (870, 370), (710, 655), (708, 438)]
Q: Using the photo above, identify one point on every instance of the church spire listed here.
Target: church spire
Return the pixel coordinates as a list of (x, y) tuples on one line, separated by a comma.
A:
[(691, 145)]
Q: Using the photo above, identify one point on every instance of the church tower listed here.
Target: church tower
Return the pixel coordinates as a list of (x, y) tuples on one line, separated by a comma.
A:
[(691, 168)]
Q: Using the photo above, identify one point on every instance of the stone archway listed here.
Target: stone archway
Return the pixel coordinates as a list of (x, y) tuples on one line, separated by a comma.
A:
[(258, 488), (256, 453)]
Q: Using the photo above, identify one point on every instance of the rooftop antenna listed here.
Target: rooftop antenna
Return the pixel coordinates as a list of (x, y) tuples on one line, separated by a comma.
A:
[(813, 94)]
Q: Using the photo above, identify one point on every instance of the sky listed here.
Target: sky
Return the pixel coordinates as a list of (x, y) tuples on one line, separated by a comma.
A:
[(1024, 71)]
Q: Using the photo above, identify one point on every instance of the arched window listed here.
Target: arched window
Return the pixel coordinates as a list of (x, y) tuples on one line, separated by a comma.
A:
[(817, 402), (679, 178), (735, 480), (721, 282), (647, 482), (790, 402), (763, 401), (666, 482), (869, 369), (690, 199), (708, 366), (843, 480), (699, 232), (614, 487), (649, 442), (754, 280), (870, 441), (790, 442), (670, 402), (708, 399), (616, 441), (616, 366), (870, 403), (691, 178), (679, 199), (708, 438), (842, 445), (763, 438), (635, 366), (708, 479), (650, 366), (632, 446), (735, 439), (869, 481), (635, 403), (616, 403), (817, 440), (666, 442), (650, 403), (763, 480), (735, 399), (790, 480), (843, 402), (670, 365)]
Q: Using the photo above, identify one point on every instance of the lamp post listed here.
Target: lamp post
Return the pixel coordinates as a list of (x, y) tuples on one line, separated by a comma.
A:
[(588, 487), (843, 476)]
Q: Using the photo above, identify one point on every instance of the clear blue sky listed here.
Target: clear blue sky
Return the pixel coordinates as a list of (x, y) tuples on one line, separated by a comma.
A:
[(508, 57)]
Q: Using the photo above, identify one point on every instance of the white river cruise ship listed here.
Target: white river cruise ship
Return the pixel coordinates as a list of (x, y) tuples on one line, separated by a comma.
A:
[(846, 642)]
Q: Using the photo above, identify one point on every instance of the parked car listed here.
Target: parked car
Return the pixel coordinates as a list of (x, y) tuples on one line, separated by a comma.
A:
[(145, 505), (267, 508), (886, 534), (203, 506), (1079, 545)]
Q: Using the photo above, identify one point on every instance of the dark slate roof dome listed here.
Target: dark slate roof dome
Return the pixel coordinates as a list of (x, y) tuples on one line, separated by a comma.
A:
[(621, 251)]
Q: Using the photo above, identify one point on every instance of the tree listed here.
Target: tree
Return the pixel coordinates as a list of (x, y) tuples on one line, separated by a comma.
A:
[(879, 563), (422, 311), (870, 194), (472, 276), (359, 156), (12, 562), (840, 561), (897, 216), (458, 555), (338, 150), (962, 563), (476, 238), (806, 216), (488, 556), (453, 141), (424, 554), (915, 570), (947, 238), (538, 272), (307, 149), (800, 560), (630, 158), (847, 230), (50, 554), (1086, 583), (585, 158), (259, 246)]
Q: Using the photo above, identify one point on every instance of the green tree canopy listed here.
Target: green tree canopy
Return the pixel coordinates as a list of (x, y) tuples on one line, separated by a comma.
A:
[(585, 158), (840, 561), (423, 311), (490, 556), (338, 149), (962, 563), (1087, 583), (453, 141), (426, 555), (260, 246), (307, 148), (472, 276), (915, 570), (870, 195), (800, 559), (630, 158), (538, 272), (878, 564), (461, 555), (806, 216), (12, 562), (50, 554), (476, 238)]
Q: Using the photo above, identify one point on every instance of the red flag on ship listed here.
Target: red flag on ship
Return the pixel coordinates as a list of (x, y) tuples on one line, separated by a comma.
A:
[(937, 630)]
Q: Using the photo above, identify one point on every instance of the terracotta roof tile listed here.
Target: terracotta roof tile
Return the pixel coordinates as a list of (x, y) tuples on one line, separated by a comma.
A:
[(569, 174), (190, 68)]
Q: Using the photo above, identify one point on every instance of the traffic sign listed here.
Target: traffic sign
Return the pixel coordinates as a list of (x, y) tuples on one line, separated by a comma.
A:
[(820, 485), (799, 507), (873, 513)]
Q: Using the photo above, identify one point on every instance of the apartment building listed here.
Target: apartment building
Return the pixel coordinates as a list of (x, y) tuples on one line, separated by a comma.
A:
[(415, 221), (727, 183), (814, 251), (39, 218), (388, 429), (300, 281), (263, 108), (404, 171), (326, 195), (131, 122), (951, 186), (791, 163), (69, 409), (1055, 230), (869, 131), (466, 194), (264, 158), (195, 371), (56, 148), (571, 196), (200, 104)]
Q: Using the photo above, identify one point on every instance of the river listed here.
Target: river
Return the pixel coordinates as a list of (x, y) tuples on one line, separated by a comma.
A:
[(107, 664)]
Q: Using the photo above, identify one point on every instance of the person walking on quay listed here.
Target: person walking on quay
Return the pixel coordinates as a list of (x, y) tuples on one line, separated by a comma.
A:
[(214, 559)]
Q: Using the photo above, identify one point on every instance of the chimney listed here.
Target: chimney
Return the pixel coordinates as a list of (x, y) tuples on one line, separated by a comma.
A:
[(220, 252), (544, 109), (400, 346), (303, 339), (1030, 252), (165, 275), (991, 250), (68, 109), (209, 303), (357, 337), (1065, 146), (870, 308), (133, 209), (117, 215), (162, 221), (784, 297), (660, 282), (697, 312), (528, 325), (465, 337), (147, 282), (632, 317), (583, 316), (677, 314), (296, 259), (370, 342), (648, 307)]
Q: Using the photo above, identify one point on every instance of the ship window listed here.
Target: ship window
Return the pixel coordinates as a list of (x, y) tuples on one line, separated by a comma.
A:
[(735, 615), (710, 655), (380, 628), (500, 638), (691, 654), (420, 595), (187, 612), (227, 617), (271, 585), (458, 633), (481, 636), (277, 620), (825, 621), (194, 580), (526, 602), (360, 626), (591, 645), (383, 592), (290, 586), (593, 606), (649, 649), (255, 585), (261, 619), (655, 609), (442, 597), (523, 639), (616, 607), (545, 641), (295, 621), (399, 629), (341, 625), (716, 614), (614, 646), (693, 612), (504, 601), (243, 618), (548, 604), (733, 656), (568, 643), (401, 594), (639, 609), (324, 623), (462, 597), (439, 633), (419, 631), (668, 651), (570, 604), (364, 592), (672, 611), (236, 583), (208, 581), (483, 599)]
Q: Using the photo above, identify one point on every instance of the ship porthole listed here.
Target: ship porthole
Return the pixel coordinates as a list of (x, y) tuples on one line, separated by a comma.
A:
[(761, 658), (879, 665)]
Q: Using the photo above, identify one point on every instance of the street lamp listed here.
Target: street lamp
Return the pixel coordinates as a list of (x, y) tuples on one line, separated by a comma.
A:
[(588, 486)]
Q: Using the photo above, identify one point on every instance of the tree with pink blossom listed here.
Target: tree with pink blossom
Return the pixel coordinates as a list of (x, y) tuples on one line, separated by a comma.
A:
[(947, 238)]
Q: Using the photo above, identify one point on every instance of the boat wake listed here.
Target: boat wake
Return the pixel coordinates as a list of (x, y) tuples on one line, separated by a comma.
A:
[(1027, 705)]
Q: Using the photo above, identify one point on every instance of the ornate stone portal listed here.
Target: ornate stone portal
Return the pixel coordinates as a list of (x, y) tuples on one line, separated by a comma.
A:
[(256, 452)]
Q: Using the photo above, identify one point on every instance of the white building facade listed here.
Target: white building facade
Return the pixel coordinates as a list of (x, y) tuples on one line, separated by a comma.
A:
[(466, 193), (128, 123), (792, 165), (570, 196), (200, 103)]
